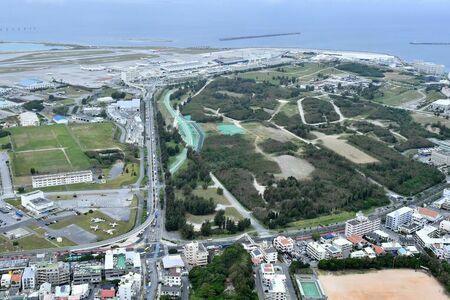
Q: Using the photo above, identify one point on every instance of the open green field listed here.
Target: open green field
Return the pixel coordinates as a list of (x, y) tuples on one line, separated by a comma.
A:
[(398, 95), (84, 221), (211, 193), (58, 148), (324, 220)]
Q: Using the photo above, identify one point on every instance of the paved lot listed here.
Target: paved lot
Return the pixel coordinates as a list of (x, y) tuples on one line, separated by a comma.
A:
[(74, 233), (5, 175), (121, 214)]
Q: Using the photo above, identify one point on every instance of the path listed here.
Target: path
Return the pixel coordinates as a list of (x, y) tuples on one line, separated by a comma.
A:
[(282, 104), (336, 109), (240, 208)]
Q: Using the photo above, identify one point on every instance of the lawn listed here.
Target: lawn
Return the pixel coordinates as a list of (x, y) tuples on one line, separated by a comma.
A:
[(398, 95), (211, 193), (58, 148), (324, 220), (84, 221)]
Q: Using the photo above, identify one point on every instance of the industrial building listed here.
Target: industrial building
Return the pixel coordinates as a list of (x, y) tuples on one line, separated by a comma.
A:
[(399, 217), (133, 105), (361, 225), (40, 181), (28, 118), (440, 157)]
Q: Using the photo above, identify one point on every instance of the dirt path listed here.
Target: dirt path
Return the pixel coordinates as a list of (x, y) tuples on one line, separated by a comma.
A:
[(282, 103)]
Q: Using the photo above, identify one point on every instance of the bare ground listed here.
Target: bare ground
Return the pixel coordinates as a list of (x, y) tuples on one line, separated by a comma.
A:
[(294, 166), (386, 284), (344, 149)]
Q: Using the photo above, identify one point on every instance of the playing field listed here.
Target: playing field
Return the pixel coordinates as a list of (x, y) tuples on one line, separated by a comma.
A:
[(58, 148)]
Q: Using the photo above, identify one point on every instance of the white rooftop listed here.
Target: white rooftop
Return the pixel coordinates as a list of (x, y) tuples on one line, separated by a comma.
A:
[(442, 102), (172, 261), (400, 211)]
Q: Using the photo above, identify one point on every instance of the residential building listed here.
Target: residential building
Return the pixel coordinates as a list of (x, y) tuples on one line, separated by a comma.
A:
[(62, 292), (426, 214), (171, 277), (119, 262), (445, 225), (270, 255), (283, 244), (28, 118), (5, 281), (16, 280), (171, 291), (86, 273), (129, 286), (196, 254), (399, 217), (273, 281), (358, 254), (29, 278), (57, 273), (316, 251), (332, 251), (429, 68), (391, 246), (81, 291), (36, 203), (345, 246), (429, 237), (106, 294), (61, 179), (440, 157), (361, 225)]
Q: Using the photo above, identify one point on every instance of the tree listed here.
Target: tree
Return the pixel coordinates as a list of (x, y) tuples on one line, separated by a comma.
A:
[(219, 191), (187, 231), (33, 171), (173, 251), (219, 218), (315, 236), (206, 228)]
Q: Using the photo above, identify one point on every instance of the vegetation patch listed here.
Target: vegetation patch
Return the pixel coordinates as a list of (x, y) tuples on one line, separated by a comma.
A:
[(274, 146), (317, 111), (361, 69)]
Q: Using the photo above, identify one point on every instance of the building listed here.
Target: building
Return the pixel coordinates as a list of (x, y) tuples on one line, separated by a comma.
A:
[(129, 286), (283, 244), (171, 277), (196, 254), (429, 237), (105, 99), (62, 292), (106, 294), (345, 246), (5, 281), (172, 267), (60, 120), (361, 225), (171, 291), (36, 203), (333, 251), (119, 262), (270, 255), (128, 105), (445, 225), (81, 291), (441, 105), (273, 281), (316, 251), (429, 68), (61, 179), (399, 217), (426, 214), (440, 157), (29, 278), (16, 280), (86, 273), (35, 84), (54, 273), (28, 118)]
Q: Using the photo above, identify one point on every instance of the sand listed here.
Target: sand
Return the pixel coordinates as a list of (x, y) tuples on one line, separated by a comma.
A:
[(344, 149), (386, 284), (294, 166)]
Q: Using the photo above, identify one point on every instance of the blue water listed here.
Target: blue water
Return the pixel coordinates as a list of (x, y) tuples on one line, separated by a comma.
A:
[(368, 25), (27, 47)]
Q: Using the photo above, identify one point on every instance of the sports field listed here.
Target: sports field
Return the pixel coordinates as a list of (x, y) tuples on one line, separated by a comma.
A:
[(58, 148)]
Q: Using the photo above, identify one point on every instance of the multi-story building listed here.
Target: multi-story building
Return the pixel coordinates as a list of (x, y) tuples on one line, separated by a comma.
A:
[(29, 278), (5, 281), (361, 225), (345, 246), (129, 286), (273, 281), (86, 273), (40, 181), (16, 280), (316, 251), (270, 255), (399, 217), (36, 203), (28, 118), (171, 277), (119, 262), (283, 244), (429, 68), (196, 254), (55, 273)]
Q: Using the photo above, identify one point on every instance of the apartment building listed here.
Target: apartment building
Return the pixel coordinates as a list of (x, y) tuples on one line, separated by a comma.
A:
[(86, 273), (40, 181), (54, 273), (129, 286), (316, 251), (399, 217), (283, 244), (361, 225), (196, 254), (29, 278)]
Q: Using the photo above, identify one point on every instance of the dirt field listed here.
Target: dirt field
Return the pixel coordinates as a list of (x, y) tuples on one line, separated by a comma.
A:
[(294, 166), (386, 284), (341, 147), (428, 119), (267, 132)]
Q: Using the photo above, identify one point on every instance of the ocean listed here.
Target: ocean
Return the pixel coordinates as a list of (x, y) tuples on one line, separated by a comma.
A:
[(365, 25)]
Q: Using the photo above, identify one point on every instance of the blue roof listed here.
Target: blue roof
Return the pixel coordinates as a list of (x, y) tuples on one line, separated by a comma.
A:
[(58, 118), (29, 82), (328, 236), (402, 251)]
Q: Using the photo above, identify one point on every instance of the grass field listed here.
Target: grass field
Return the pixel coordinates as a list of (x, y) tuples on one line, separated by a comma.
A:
[(211, 193), (58, 148), (396, 95), (29, 242), (324, 220)]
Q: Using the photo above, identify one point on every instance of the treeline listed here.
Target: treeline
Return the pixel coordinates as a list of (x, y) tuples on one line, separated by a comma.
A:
[(293, 123), (395, 171), (232, 267), (35, 105), (361, 69), (382, 133), (335, 186), (274, 146), (439, 269)]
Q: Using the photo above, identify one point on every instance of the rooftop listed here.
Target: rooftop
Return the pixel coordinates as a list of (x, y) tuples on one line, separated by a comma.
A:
[(427, 212), (171, 261)]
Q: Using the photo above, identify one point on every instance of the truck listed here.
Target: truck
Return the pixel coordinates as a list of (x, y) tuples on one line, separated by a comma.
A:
[(19, 214)]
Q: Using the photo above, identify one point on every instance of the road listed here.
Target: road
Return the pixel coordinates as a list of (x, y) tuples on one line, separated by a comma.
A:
[(7, 186)]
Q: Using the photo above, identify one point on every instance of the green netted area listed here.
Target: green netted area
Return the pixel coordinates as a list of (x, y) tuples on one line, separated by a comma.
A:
[(229, 129)]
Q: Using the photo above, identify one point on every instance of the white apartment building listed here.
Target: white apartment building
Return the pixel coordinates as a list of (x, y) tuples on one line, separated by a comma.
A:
[(316, 251), (361, 225), (399, 217), (53, 273), (345, 246), (29, 278), (129, 286), (429, 68), (270, 255), (40, 181), (440, 157), (283, 244), (273, 281), (276, 290), (445, 225), (28, 118), (196, 254)]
